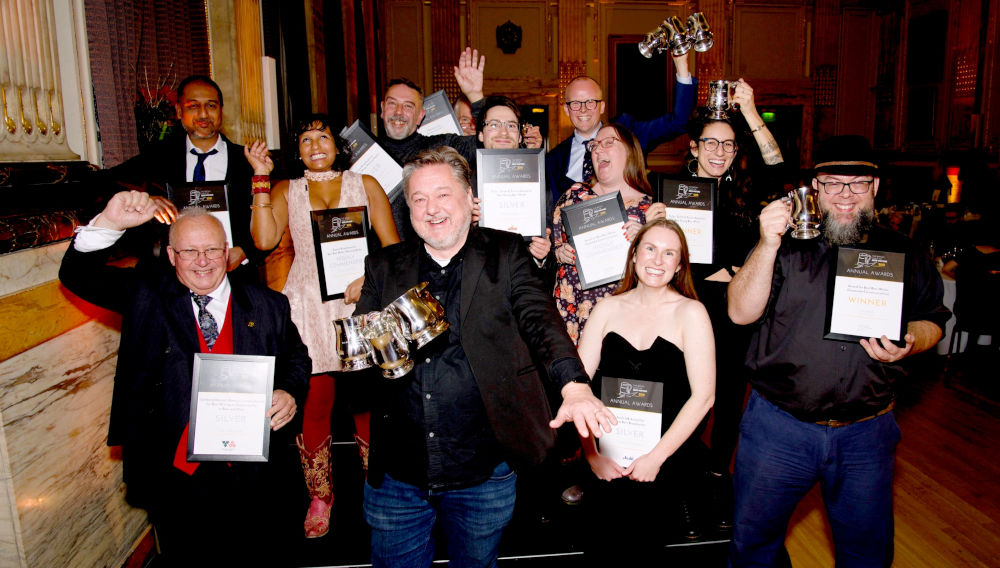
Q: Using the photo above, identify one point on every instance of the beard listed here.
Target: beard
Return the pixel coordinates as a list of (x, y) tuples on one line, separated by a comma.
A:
[(849, 233)]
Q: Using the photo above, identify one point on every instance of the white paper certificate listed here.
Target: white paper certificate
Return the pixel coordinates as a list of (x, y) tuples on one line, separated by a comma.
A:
[(440, 117), (376, 162), (601, 254), (867, 295), (697, 226), (344, 262), (690, 202), (223, 217), (638, 406), (230, 423), (340, 237), (513, 207)]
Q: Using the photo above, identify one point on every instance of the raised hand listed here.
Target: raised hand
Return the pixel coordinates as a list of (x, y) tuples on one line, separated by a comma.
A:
[(258, 156), (469, 74), (127, 209)]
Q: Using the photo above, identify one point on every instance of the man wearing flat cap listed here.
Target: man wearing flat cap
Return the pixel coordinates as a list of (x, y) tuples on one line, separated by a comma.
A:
[(821, 409)]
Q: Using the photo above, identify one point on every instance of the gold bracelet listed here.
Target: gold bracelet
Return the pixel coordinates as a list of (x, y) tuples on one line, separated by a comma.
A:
[(761, 127), (263, 206)]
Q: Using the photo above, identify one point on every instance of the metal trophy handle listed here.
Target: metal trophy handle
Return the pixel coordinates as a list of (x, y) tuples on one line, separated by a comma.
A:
[(678, 37), (699, 32), (390, 347), (421, 317), (806, 213)]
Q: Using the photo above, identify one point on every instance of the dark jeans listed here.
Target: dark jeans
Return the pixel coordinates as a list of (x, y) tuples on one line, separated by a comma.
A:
[(780, 458)]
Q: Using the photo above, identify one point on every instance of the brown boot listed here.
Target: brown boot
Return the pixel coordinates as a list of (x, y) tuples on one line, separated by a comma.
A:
[(362, 451), (317, 469)]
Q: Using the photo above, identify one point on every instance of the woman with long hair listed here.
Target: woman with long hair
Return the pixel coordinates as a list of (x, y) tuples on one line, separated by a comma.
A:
[(325, 184)]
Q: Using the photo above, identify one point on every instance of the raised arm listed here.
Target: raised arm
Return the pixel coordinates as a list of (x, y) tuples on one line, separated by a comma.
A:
[(270, 208), (750, 288), (769, 150), (469, 74)]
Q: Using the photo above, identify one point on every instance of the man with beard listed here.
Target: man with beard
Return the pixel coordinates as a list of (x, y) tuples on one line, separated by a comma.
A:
[(447, 437), (820, 409)]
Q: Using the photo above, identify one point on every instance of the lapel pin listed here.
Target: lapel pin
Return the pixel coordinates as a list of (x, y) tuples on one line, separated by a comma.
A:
[(250, 323)]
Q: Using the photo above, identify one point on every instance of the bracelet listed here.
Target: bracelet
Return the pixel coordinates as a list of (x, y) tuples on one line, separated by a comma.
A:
[(263, 206), (260, 184), (762, 125)]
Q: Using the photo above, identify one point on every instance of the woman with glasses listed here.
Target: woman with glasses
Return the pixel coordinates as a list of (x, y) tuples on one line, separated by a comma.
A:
[(715, 152), (326, 184)]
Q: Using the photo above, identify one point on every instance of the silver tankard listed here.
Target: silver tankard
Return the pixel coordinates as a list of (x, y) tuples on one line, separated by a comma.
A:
[(671, 34), (806, 213), (353, 349), (699, 33), (391, 349), (719, 93), (421, 317)]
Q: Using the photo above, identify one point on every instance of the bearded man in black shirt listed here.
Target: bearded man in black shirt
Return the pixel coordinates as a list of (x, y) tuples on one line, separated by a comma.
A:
[(821, 409)]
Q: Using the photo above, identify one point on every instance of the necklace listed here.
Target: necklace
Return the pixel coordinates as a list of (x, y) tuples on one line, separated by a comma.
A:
[(321, 176)]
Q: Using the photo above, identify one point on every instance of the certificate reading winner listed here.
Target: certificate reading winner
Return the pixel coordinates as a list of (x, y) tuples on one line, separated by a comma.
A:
[(510, 187), (638, 406), (595, 232), (341, 240), (866, 295), (230, 395), (691, 203)]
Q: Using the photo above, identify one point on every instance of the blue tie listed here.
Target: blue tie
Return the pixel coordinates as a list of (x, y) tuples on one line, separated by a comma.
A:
[(199, 168)]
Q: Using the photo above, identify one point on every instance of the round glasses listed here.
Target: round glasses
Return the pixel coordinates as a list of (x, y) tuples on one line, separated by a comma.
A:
[(606, 143), (591, 104), (712, 144), (494, 125)]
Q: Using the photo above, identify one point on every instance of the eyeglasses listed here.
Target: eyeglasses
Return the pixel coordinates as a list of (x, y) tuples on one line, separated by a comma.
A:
[(712, 144), (465, 121), (193, 254), (591, 104), (606, 143), (835, 187), (495, 125)]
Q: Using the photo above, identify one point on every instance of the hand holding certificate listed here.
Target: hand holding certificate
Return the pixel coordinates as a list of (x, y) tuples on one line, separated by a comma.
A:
[(511, 189), (865, 297)]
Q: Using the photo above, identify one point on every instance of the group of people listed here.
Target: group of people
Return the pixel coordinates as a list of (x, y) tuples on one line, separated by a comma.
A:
[(441, 447)]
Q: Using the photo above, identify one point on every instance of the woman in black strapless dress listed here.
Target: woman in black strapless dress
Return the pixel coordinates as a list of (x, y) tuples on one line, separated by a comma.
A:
[(649, 347)]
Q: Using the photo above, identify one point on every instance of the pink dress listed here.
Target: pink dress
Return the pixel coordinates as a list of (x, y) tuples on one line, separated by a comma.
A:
[(311, 314)]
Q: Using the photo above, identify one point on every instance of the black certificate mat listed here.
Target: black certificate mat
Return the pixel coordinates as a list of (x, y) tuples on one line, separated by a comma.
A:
[(594, 228), (511, 187), (367, 157), (691, 202), (865, 295), (212, 196), (439, 116), (341, 240), (230, 396)]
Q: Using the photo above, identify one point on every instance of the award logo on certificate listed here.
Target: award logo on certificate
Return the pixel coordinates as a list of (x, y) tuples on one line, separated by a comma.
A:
[(367, 157), (230, 396), (638, 406), (341, 240), (865, 295), (439, 116), (690, 202), (511, 188), (594, 228), (212, 196)]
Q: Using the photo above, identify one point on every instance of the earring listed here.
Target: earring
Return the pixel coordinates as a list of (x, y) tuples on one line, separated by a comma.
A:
[(692, 166)]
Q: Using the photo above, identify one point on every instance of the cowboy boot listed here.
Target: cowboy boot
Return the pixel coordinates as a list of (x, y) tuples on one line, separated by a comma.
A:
[(317, 469), (362, 451)]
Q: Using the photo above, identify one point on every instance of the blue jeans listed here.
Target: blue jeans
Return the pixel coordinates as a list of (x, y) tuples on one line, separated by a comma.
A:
[(780, 458), (402, 519)]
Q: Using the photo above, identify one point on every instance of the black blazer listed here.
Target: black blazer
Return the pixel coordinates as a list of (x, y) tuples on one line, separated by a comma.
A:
[(508, 323), (152, 392)]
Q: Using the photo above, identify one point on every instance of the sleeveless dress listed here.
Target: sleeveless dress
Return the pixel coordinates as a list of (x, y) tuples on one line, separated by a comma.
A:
[(312, 316)]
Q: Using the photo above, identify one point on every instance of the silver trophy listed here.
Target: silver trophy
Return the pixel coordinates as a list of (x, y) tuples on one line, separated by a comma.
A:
[(699, 32), (354, 350), (391, 349), (671, 34), (421, 317), (806, 213), (719, 93)]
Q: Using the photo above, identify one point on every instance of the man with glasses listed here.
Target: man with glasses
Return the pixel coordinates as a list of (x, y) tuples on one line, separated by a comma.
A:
[(821, 409), (569, 162), (210, 511)]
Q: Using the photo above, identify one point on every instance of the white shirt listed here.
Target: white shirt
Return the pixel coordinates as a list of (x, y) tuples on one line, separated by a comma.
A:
[(215, 165)]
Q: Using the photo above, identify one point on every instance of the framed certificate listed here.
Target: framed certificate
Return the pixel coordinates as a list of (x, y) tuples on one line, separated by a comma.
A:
[(341, 239), (594, 228), (691, 203), (212, 196), (511, 189), (439, 117), (638, 406), (230, 396), (865, 295), (367, 157)]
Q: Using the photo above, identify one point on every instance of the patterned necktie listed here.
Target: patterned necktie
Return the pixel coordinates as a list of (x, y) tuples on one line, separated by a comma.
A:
[(209, 328), (199, 168), (588, 163)]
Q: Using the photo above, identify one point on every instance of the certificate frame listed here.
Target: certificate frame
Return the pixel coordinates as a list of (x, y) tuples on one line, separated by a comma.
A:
[(368, 157), (437, 112), (508, 181), (871, 284), (213, 196), (638, 406), (234, 387), (692, 202), (590, 215), (344, 229)]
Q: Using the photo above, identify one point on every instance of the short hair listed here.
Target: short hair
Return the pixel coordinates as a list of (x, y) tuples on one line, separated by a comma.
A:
[(635, 164), (406, 82), (198, 79), (682, 281), (192, 213), (443, 155), (497, 101), (580, 78), (343, 159)]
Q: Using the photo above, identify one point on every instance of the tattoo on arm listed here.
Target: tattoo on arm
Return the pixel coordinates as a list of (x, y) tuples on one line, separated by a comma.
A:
[(770, 152)]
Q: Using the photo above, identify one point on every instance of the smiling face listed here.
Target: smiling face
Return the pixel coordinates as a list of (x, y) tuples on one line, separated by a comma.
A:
[(200, 233), (715, 163), (584, 120), (200, 113), (317, 149), (465, 118), (657, 257), (402, 111), (440, 209), (609, 163), (846, 215), (503, 136)]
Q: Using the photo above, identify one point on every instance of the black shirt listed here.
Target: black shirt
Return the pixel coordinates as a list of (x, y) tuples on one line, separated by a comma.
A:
[(817, 379)]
